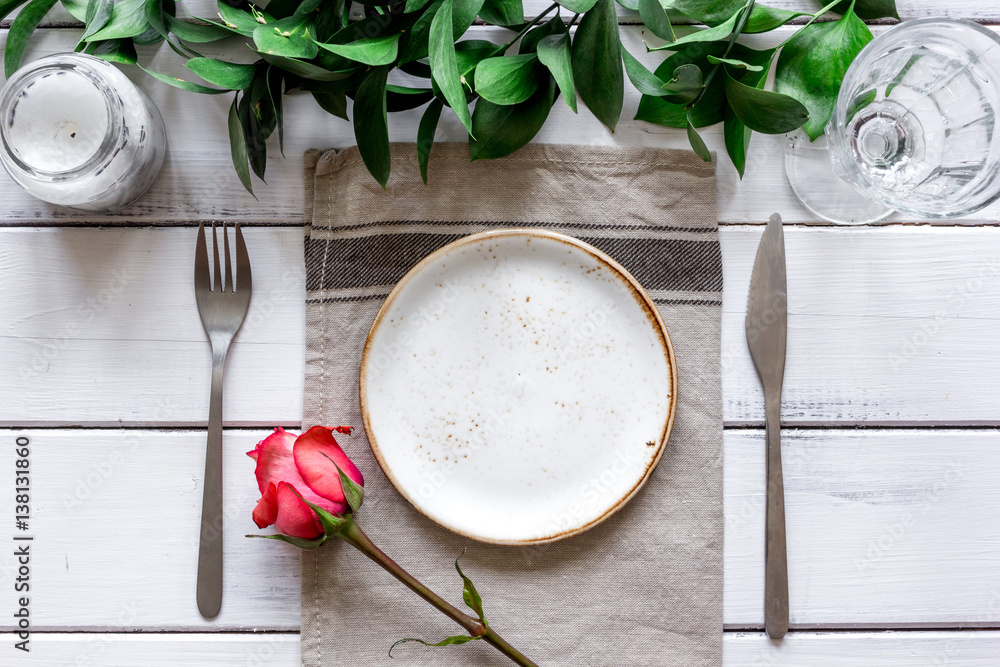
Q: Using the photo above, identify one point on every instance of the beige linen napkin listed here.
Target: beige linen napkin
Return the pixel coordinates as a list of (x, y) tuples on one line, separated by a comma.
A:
[(644, 587)]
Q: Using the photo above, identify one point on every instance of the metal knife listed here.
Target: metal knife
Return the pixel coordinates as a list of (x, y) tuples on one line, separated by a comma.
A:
[(767, 329)]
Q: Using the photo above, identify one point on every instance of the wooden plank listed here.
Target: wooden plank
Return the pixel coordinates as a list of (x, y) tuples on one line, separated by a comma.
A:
[(198, 181), (115, 520), (101, 326), (801, 649)]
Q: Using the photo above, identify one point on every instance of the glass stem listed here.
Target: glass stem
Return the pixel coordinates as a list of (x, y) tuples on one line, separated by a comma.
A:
[(353, 535)]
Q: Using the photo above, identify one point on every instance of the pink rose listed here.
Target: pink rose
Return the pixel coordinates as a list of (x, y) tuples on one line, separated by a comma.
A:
[(290, 466)]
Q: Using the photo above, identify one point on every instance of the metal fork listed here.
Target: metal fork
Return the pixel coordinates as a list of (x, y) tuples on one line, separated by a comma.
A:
[(223, 308)]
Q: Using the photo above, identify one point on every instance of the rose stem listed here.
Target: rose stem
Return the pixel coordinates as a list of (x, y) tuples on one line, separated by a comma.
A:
[(353, 535)]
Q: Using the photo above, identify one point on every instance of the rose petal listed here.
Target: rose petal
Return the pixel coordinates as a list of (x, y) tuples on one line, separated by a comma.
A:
[(294, 516), (276, 464), (266, 511), (315, 453)]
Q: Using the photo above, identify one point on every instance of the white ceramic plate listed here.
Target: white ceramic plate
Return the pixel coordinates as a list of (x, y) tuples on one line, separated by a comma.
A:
[(518, 386)]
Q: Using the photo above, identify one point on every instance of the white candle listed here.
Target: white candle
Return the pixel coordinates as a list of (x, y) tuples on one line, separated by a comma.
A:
[(58, 122)]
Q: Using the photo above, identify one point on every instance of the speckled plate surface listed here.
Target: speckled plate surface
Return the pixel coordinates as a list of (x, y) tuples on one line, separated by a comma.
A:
[(518, 386)]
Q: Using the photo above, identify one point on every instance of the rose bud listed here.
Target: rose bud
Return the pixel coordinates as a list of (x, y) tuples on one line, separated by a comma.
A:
[(291, 470)]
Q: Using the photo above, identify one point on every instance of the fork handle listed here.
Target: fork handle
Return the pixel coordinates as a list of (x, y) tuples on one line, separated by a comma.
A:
[(210, 548), (775, 556)]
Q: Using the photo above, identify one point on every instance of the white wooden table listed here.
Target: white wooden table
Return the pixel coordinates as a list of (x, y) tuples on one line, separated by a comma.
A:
[(891, 406)]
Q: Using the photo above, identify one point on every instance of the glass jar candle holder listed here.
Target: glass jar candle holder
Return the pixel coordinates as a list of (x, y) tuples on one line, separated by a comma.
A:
[(77, 133)]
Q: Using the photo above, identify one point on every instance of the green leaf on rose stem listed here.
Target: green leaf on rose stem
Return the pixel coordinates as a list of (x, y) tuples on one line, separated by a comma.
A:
[(508, 79), (737, 135), (371, 129), (764, 111), (238, 146), (253, 135), (556, 53), (288, 38), (183, 84), (655, 17), (275, 79), (812, 65), (501, 130), (306, 70), (765, 19), (241, 21), (682, 89), (400, 98), (333, 103), (20, 32), (734, 63), (76, 8), (332, 524), (128, 19), (869, 9), (503, 12), (447, 641), (98, 15), (221, 73), (529, 43), (376, 51), (354, 493), (196, 33), (714, 34), (597, 63), (709, 12), (444, 64), (697, 143), (115, 51), (299, 542), (578, 6), (470, 594), (425, 135)]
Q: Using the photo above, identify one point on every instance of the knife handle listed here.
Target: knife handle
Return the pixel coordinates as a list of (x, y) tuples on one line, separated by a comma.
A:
[(775, 557)]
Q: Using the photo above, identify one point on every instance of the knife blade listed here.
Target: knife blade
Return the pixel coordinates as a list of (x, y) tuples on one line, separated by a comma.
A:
[(767, 331)]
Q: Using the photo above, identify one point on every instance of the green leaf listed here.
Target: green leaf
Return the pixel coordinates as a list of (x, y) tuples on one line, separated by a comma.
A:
[(709, 109), (116, 51), (764, 111), (444, 65), (529, 43), (417, 43), (556, 53), (656, 19), (238, 146), (306, 70), (682, 89), (98, 15), (371, 129), (221, 73), (697, 143), (737, 135), (765, 19), (507, 79), (470, 594), (709, 12), (288, 38), (274, 84), (734, 63), (503, 12), (196, 33), (182, 83), (425, 135), (578, 6), (597, 63), (354, 493), (128, 19), (332, 103), (714, 34), (376, 51), (76, 8), (20, 32), (469, 53), (463, 14), (448, 641), (399, 98), (283, 8), (332, 524), (253, 135), (869, 9), (308, 545), (241, 21), (501, 130), (812, 65)]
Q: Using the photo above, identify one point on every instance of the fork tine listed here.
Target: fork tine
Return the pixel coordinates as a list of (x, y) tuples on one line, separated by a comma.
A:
[(201, 279), (217, 283), (242, 262), (230, 286)]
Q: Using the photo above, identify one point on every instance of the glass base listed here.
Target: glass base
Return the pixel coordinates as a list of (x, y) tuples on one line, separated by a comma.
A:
[(819, 188)]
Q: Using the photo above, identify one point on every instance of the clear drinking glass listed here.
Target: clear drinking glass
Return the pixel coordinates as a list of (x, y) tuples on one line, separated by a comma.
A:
[(76, 132), (913, 128)]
